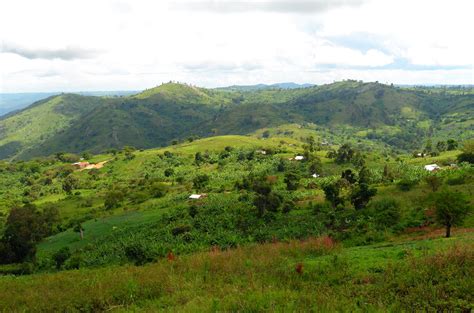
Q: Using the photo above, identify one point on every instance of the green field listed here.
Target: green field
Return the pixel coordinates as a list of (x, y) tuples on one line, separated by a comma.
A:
[(393, 276)]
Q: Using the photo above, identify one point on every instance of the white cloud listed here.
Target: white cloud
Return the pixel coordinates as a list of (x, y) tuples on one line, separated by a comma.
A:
[(125, 44)]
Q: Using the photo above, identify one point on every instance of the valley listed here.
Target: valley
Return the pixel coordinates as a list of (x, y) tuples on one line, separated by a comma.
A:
[(184, 198)]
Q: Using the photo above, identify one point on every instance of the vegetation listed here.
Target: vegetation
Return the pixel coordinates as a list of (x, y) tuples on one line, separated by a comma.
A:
[(401, 118), (355, 222), (306, 275)]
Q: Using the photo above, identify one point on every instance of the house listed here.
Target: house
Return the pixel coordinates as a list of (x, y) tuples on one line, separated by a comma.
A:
[(81, 165), (432, 167), (197, 196), (299, 157), (261, 152), (315, 175)]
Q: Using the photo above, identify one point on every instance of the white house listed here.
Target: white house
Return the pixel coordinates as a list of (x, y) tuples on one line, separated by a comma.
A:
[(299, 157), (315, 175), (197, 196), (432, 167)]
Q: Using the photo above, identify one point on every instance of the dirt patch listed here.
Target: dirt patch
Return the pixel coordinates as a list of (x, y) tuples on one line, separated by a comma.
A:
[(97, 166)]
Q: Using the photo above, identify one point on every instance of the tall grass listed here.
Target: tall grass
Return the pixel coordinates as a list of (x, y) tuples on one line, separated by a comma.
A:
[(270, 277)]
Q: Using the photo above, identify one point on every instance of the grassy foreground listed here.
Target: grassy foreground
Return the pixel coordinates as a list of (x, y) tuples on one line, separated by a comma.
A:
[(312, 275)]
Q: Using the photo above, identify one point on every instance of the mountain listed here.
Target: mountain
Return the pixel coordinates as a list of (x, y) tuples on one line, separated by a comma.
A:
[(401, 118), (289, 85), (10, 102)]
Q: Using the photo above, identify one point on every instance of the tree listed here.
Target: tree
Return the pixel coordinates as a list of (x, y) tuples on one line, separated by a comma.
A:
[(452, 144), (292, 180), (467, 154), (169, 172), (61, 256), (198, 158), (129, 155), (316, 166), (86, 155), (428, 146), (69, 184), (265, 199), (282, 165), (79, 229), (385, 212), (158, 190), (311, 143), (200, 181), (364, 175), (332, 194), (451, 207), (361, 195), (387, 174), (24, 228), (113, 198), (434, 182), (345, 154), (349, 176), (288, 206), (441, 146)]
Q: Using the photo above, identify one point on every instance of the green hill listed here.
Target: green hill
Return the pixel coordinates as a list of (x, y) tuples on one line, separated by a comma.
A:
[(41, 122), (401, 118)]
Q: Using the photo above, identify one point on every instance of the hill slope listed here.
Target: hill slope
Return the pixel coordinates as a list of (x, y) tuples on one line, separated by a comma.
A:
[(402, 118), (40, 122)]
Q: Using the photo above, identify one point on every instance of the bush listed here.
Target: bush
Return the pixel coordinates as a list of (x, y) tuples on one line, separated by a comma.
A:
[(456, 179), (406, 184), (74, 262), (113, 199), (138, 254), (158, 190), (180, 230), (385, 212), (200, 181), (61, 256)]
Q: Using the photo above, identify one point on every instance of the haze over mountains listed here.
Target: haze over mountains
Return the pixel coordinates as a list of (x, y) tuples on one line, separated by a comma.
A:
[(399, 117)]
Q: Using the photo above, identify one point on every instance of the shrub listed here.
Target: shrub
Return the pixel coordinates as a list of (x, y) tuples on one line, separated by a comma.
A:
[(158, 190), (61, 256), (74, 262), (456, 179), (406, 184), (434, 182), (113, 199), (138, 254), (169, 172), (180, 230), (200, 181), (385, 212)]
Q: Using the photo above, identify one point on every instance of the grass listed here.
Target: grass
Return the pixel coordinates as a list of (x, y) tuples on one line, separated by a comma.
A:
[(97, 228), (432, 274)]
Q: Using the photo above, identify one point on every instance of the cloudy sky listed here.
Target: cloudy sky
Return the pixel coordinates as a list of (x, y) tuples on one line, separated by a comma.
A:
[(57, 45)]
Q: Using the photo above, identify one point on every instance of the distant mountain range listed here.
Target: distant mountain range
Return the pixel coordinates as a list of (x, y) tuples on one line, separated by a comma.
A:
[(400, 117), (264, 86)]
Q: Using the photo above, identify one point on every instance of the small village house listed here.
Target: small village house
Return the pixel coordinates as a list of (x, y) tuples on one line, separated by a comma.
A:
[(432, 167)]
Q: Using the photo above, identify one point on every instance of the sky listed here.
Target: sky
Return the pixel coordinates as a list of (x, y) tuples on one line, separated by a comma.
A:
[(57, 45)]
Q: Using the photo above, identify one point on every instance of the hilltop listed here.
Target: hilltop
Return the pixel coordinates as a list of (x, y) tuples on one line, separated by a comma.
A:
[(398, 117)]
